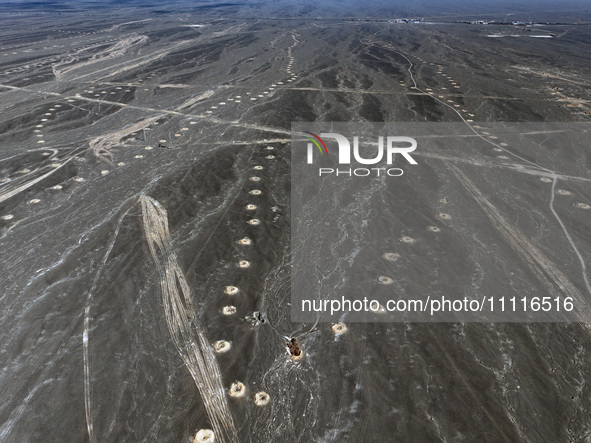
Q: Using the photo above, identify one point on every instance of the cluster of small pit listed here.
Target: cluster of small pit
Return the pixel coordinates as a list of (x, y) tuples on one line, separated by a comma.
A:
[(253, 96), (238, 389), (406, 239), (92, 93), (31, 68)]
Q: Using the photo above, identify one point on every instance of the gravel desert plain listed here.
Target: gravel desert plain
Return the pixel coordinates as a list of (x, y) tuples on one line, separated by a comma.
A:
[(146, 221)]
